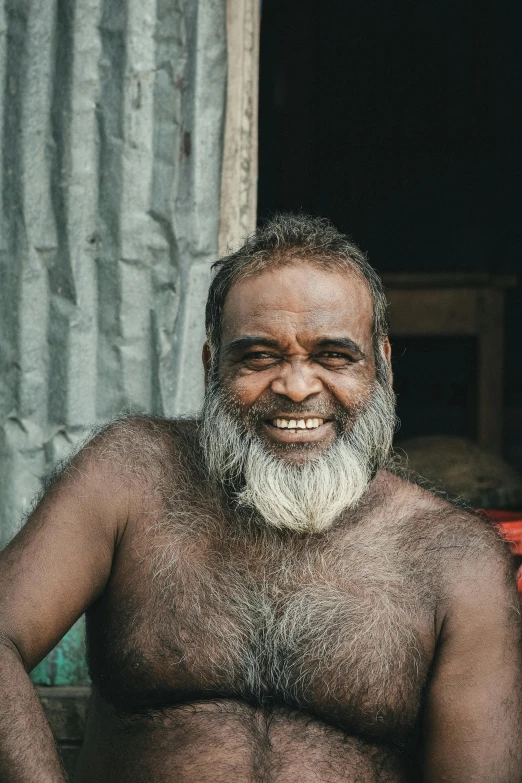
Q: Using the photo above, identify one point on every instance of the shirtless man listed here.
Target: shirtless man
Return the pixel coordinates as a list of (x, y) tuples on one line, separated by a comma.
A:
[(265, 600)]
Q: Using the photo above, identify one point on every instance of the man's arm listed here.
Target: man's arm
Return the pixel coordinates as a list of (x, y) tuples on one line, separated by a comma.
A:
[(473, 717), (27, 751), (49, 574)]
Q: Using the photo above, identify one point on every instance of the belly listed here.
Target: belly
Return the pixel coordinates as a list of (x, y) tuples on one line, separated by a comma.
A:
[(225, 740)]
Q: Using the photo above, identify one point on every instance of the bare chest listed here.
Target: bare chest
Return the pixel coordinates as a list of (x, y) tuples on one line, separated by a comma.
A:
[(331, 626)]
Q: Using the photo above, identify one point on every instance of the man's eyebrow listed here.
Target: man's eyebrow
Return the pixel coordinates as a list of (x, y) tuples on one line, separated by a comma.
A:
[(244, 343), (341, 342)]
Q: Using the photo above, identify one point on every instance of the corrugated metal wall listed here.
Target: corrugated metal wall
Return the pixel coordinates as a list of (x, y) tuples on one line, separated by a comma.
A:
[(111, 133)]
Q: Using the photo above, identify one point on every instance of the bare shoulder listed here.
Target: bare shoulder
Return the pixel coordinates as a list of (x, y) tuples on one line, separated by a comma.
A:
[(417, 509), (62, 559), (451, 544), (123, 463), (138, 446)]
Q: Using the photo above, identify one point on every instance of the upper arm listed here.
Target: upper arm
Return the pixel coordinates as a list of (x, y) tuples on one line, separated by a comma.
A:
[(473, 717), (60, 561)]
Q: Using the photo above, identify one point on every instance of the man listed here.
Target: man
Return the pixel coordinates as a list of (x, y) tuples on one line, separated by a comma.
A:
[(265, 600)]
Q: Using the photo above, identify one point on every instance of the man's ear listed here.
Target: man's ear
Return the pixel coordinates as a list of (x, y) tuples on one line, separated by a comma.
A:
[(387, 352), (207, 360)]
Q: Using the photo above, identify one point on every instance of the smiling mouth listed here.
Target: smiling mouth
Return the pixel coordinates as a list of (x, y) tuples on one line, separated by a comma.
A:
[(297, 424), (305, 430)]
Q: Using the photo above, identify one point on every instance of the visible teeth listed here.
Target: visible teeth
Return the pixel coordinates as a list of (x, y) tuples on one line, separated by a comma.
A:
[(299, 424)]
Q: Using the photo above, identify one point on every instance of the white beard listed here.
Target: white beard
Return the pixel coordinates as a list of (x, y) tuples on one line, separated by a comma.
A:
[(305, 497)]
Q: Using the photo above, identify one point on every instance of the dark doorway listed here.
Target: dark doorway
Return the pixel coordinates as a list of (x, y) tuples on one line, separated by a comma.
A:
[(400, 122)]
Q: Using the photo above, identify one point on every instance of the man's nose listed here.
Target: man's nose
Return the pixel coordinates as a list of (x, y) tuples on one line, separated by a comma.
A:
[(296, 381)]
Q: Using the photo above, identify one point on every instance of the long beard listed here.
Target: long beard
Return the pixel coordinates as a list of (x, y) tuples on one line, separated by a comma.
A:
[(305, 497)]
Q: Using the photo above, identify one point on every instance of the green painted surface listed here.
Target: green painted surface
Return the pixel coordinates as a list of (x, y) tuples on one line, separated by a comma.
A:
[(66, 664)]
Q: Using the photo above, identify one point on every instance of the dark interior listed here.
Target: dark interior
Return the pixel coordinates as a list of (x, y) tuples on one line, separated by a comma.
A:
[(400, 122)]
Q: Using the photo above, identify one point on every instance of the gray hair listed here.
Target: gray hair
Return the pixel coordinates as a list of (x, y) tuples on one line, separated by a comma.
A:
[(280, 241)]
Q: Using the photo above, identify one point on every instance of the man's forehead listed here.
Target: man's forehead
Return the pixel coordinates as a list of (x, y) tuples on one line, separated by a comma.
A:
[(300, 297)]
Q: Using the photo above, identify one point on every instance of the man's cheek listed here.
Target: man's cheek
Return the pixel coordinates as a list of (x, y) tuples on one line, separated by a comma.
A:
[(238, 386), (252, 398)]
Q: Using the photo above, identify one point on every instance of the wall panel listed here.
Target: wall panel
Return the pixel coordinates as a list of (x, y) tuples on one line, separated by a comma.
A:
[(111, 133)]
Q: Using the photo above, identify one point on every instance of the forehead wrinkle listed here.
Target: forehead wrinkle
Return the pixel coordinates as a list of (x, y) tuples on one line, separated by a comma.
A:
[(293, 282), (276, 300), (314, 304), (260, 315)]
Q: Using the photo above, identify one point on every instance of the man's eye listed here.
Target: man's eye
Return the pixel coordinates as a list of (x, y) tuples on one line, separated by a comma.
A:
[(334, 358), (259, 357)]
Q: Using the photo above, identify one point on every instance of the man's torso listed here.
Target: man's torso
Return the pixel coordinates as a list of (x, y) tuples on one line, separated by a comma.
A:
[(221, 648)]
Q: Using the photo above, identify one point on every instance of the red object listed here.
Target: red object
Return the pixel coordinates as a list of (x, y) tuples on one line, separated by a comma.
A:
[(510, 525)]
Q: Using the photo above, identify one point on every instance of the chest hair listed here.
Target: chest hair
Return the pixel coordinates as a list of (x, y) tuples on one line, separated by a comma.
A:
[(330, 622)]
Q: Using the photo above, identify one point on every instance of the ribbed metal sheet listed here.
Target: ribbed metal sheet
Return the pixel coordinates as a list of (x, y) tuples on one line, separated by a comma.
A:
[(111, 136)]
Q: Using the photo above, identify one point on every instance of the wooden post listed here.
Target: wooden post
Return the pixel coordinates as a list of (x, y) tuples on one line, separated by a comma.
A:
[(239, 173)]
